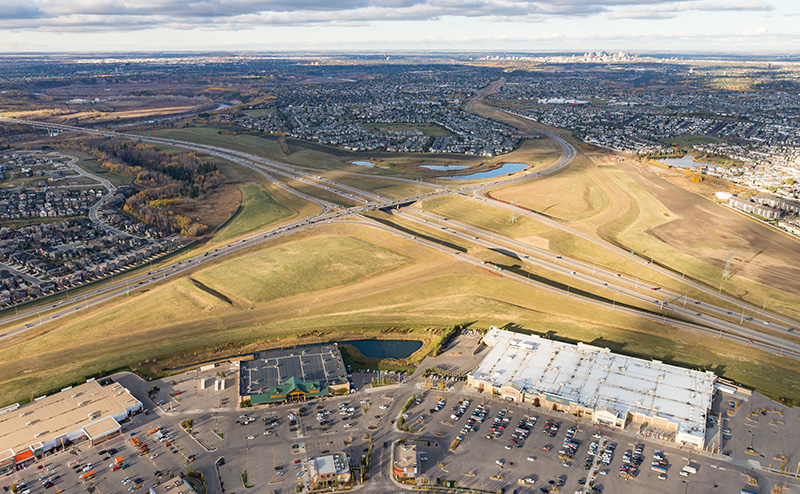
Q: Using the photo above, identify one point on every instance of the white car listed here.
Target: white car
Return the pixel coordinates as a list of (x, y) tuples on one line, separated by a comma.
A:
[(267, 433), (383, 407), (251, 437), (347, 426), (531, 458), (501, 462)]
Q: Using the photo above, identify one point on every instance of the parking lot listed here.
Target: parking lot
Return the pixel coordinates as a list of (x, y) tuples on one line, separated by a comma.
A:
[(271, 445), (165, 458), (492, 464)]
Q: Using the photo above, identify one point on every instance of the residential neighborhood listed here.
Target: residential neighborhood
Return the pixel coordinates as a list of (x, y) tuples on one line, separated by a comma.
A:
[(50, 243), (350, 115)]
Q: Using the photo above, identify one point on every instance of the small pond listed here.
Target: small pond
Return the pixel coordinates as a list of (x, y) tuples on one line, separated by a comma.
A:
[(363, 163), (398, 349), (505, 169), (686, 162)]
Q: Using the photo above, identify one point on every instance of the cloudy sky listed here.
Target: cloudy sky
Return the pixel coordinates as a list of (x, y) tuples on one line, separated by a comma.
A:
[(479, 25)]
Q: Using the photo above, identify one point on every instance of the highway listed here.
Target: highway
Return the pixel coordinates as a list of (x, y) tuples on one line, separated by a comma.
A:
[(617, 285), (330, 211)]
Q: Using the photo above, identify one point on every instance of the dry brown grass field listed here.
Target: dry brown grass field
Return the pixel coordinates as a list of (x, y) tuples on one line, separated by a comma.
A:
[(634, 207), (310, 287)]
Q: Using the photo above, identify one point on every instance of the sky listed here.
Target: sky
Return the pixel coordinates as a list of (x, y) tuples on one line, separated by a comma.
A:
[(739, 26)]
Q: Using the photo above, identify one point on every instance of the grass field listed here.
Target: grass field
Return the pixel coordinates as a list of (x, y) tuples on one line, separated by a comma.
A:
[(430, 130), (214, 313), (716, 160), (258, 210), (385, 188), (686, 142), (35, 221), (259, 112), (307, 265), (304, 153), (91, 165), (570, 194)]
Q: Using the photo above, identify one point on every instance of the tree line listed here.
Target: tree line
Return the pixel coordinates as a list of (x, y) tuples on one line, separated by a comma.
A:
[(167, 178)]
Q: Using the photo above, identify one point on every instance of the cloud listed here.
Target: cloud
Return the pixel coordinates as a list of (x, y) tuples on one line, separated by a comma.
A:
[(672, 9), (19, 9), (113, 15)]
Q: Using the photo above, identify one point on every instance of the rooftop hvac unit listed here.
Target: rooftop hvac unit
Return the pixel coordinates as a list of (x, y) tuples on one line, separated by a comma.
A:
[(28, 423), (80, 403), (38, 434), (74, 395)]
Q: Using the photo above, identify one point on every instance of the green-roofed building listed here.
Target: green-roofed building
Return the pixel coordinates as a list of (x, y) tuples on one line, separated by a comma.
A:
[(292, 390), (292, 374)]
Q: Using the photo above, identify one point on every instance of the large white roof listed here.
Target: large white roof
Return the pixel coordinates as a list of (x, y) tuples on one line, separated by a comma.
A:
[(594, 377)]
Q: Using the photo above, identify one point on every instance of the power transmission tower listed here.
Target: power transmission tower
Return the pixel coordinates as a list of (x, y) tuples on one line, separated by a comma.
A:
[(726, 274)]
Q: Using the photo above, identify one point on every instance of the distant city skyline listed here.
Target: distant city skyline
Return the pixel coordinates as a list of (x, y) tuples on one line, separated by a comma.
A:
[(393, 25)]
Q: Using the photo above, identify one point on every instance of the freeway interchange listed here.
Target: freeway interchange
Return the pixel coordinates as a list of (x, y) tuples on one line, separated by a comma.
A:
[(614, 288)]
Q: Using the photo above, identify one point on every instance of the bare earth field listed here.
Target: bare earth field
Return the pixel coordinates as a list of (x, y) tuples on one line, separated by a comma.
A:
[(637, 209), (214, 208)]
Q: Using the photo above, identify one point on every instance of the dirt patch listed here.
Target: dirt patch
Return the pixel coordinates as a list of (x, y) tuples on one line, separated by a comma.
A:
[(214, 208), (710, 231)]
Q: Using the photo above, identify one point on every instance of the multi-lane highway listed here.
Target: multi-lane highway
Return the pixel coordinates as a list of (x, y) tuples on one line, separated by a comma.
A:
[(609, 284), (708, 318)]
